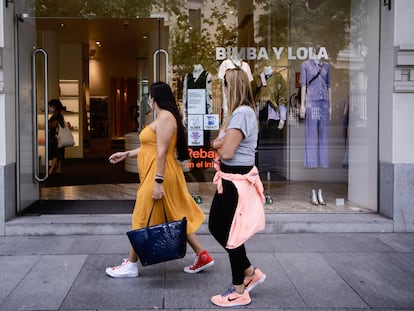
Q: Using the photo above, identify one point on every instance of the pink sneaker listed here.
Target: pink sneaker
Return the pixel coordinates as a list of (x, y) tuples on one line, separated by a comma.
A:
[(231, 298), (201, 262), (251, 281)]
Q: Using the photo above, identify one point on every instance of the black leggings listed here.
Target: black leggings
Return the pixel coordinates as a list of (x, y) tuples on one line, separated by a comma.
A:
[(221, 216)]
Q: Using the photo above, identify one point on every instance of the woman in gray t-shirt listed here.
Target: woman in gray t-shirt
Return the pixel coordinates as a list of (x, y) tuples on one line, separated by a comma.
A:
[(236, 147), (243, 119)]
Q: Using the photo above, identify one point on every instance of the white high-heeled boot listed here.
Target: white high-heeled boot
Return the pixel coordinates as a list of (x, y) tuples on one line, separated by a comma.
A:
[(314, 198), (320, 197)]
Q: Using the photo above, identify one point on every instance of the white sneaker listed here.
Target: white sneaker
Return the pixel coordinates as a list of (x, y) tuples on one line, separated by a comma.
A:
[(126, 269)]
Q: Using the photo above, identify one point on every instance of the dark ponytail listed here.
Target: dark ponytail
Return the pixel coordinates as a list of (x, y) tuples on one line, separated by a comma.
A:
[(163, 95)]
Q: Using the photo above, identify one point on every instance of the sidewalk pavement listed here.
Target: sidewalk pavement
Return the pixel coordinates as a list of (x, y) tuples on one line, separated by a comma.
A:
[(319, 271)]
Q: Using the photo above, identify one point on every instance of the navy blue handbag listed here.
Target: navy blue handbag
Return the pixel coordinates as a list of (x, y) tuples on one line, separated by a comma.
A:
[(159, 243)]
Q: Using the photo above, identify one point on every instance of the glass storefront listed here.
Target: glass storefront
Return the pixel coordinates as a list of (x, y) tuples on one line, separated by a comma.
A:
[(313, 67)]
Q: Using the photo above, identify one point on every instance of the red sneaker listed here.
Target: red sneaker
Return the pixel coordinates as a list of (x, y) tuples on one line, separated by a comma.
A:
[(201, 262)]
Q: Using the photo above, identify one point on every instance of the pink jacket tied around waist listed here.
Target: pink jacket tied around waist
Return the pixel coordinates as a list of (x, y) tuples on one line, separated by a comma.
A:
[(249, 217)]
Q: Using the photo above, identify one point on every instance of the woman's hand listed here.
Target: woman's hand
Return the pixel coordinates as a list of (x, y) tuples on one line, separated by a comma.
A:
[(227, 147), (118, 156), (157, 191), (217, 143)]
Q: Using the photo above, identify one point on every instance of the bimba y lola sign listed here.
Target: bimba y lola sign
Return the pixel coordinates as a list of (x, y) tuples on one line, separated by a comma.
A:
[(203, 159), (262, 53)]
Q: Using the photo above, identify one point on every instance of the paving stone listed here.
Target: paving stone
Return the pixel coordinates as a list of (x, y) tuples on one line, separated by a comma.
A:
[(321, 243), (376, 279), (13, 270), (401, 242), (93, 289), (403, 260), (45, 286), (318, 284), (35, 245)]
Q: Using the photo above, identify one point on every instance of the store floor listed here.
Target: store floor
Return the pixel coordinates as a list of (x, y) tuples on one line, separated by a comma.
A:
[(287, 197)]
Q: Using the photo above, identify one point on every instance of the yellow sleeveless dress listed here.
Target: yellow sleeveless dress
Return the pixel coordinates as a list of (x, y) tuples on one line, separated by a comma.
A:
[(178, 201)]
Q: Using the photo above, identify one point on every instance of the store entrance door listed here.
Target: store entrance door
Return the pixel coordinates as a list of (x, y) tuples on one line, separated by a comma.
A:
[(99, 69)]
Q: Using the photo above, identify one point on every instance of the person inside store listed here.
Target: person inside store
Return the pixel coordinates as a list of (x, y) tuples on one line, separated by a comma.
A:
[(316, 99), (162, 180), (237, 208), (56, 155)]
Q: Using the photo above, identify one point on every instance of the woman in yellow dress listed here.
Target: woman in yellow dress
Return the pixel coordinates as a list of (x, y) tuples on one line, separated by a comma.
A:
[(162, 179)]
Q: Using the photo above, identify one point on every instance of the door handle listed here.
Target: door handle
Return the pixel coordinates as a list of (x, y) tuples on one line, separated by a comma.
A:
[(35, 120), (157, 68)]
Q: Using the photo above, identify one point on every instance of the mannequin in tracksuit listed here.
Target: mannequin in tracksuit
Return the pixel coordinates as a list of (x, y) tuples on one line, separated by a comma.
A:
[(316, 98)]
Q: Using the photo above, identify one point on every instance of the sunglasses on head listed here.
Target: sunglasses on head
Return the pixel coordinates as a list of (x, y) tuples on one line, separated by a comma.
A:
[(235, 68)]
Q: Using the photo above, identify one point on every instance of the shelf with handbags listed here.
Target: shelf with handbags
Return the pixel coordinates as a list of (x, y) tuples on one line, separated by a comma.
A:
[(71, 98)]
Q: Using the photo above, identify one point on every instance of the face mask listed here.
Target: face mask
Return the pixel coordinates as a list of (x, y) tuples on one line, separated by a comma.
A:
[(150, 103)]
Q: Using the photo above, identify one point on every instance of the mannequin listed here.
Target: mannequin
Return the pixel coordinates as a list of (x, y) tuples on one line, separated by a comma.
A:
[(316, 99), (304, 90), (197, 79), (269, 89), (230, 63)]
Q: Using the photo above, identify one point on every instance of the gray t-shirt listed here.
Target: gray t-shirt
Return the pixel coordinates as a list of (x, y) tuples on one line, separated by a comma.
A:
[(244, 119)]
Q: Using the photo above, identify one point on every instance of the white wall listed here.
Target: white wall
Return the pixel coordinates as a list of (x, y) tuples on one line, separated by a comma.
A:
[(7, 107), (403, 132), (403, 103), (403, 31), (386, 81), (396, 109), (7, 118)]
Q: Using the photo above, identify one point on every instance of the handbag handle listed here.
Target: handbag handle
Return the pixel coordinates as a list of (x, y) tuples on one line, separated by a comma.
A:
[(152, 209)]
